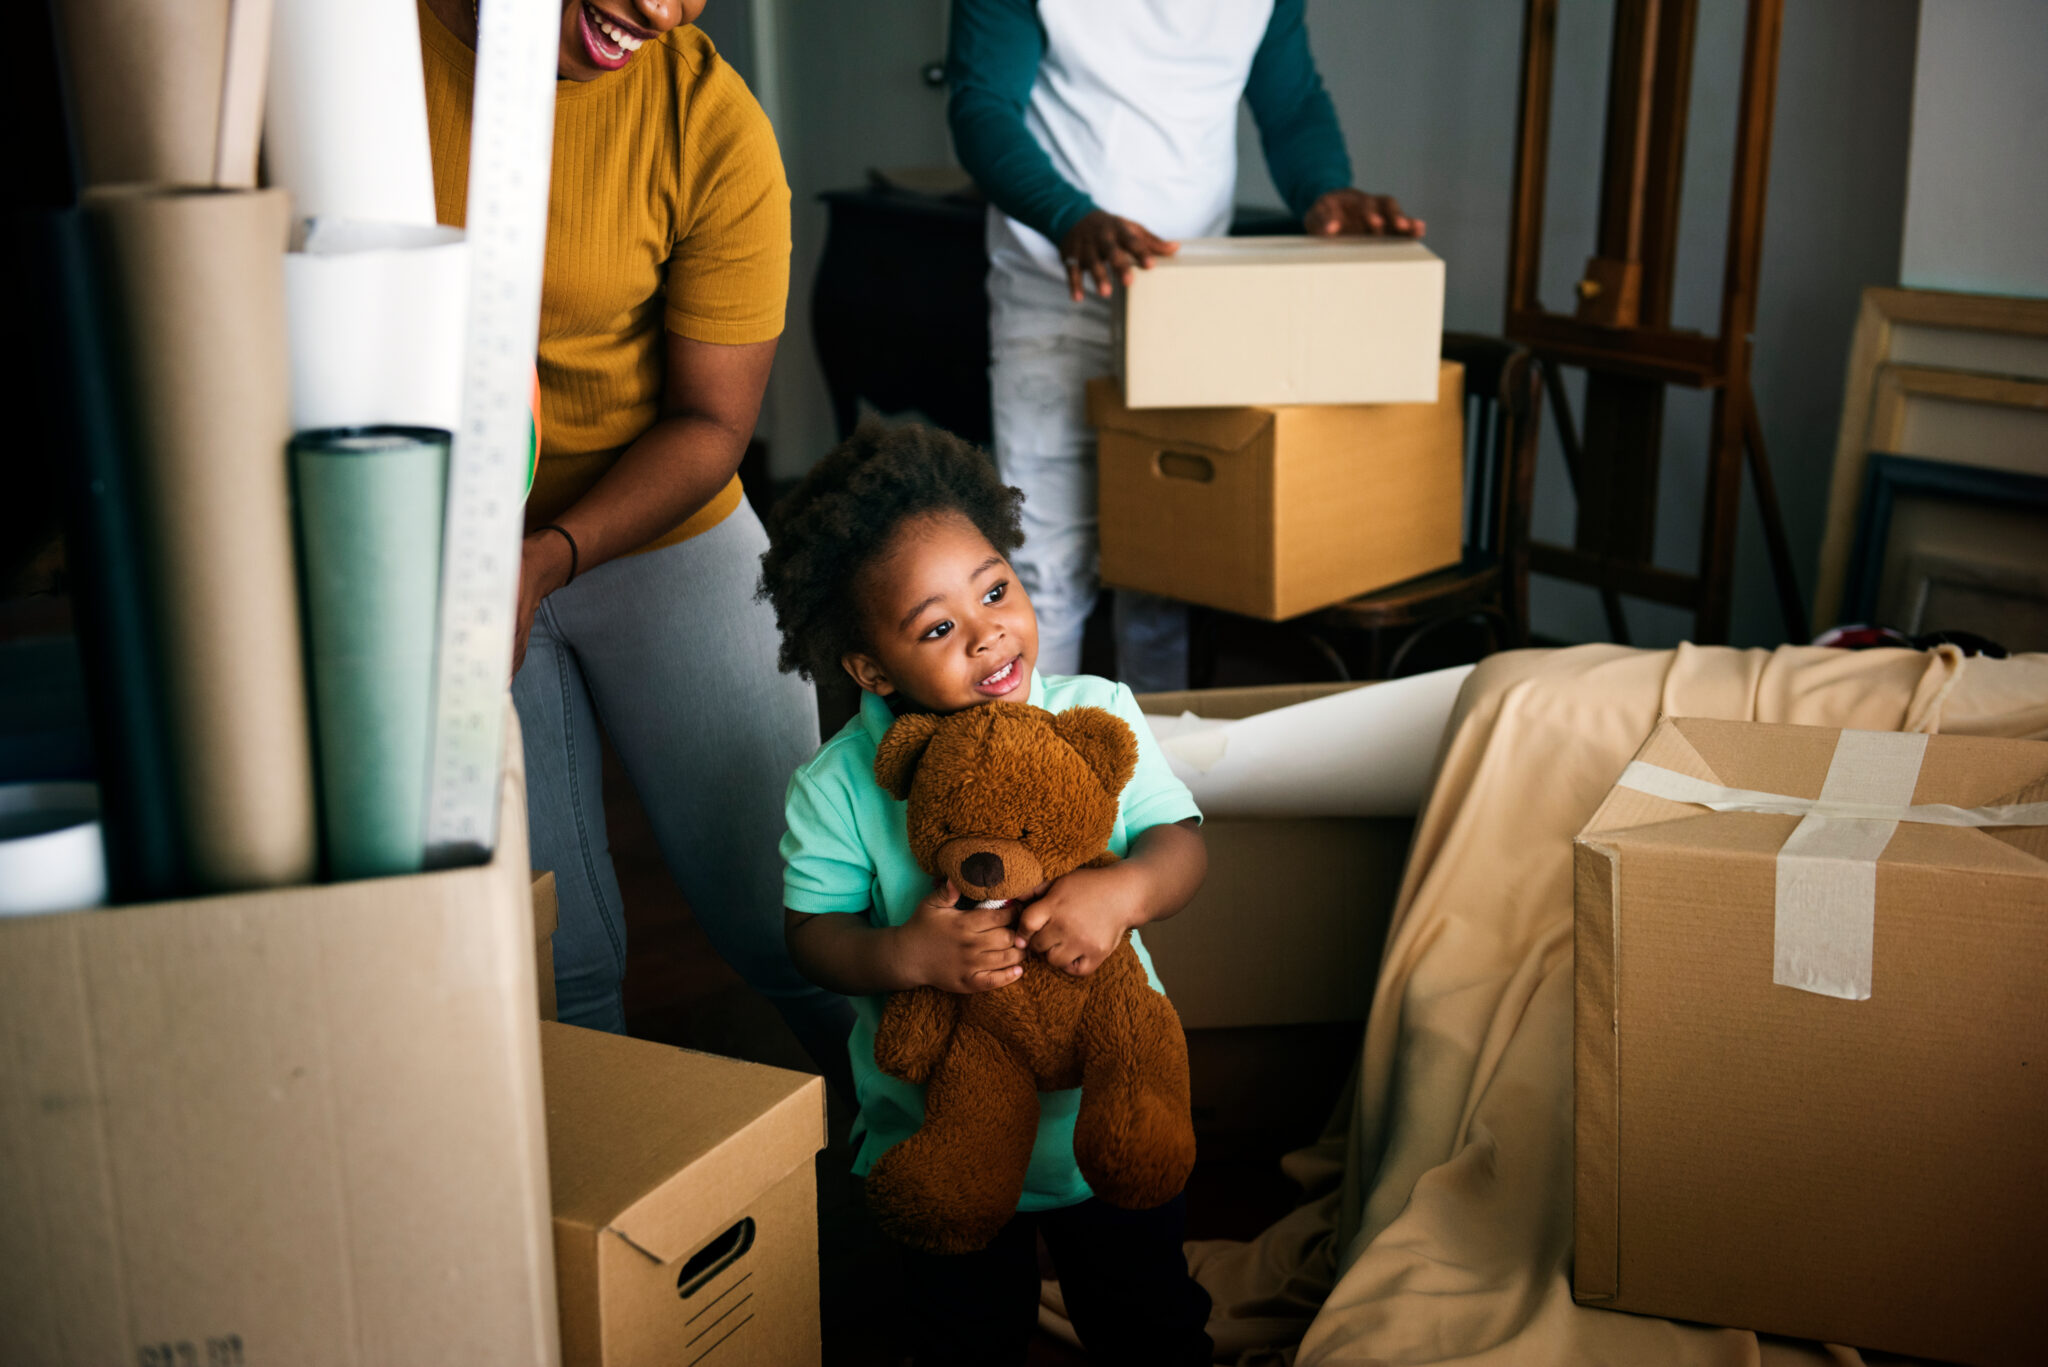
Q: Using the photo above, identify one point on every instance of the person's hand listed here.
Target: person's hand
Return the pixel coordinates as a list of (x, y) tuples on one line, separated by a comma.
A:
[(543, 568), (1107, 247), (1082, 918), (958, 951), (1356, 213)]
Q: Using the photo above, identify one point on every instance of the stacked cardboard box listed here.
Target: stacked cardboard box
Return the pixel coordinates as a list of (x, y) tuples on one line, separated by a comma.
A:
[(1811, 1048)]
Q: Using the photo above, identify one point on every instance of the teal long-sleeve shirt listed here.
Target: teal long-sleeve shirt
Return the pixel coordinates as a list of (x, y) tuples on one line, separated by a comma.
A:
[(992, 64)]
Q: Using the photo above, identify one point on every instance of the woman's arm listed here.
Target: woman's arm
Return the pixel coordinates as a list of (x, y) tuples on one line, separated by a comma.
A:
[(711, 397)]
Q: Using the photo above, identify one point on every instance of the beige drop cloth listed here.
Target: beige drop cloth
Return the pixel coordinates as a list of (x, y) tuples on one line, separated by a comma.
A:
[(1439, 1214)]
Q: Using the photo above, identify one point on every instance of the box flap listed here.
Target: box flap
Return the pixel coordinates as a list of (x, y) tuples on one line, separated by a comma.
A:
[(1959, 771), (1235, 704), (1216, 429), (659, 1144), (1202, 253)]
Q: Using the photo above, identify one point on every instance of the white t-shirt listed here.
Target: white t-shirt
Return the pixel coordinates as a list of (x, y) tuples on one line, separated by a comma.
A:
[(1136, 104)]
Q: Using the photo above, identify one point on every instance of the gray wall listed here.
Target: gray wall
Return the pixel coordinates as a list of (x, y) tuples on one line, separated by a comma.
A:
[(1977, 198), (1426, 92)]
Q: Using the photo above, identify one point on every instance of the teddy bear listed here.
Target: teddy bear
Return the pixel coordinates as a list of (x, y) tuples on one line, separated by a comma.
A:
[(1002, 799)]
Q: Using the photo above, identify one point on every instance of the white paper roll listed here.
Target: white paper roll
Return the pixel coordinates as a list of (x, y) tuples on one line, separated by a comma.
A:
[(377, 313), (1365, 752), (345, 126), (51, 855)]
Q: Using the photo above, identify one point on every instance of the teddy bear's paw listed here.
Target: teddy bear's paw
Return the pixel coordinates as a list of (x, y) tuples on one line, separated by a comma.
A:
[(915, 1204)]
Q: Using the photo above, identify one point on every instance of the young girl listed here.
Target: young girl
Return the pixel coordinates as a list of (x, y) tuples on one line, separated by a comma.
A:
[(890, 561)]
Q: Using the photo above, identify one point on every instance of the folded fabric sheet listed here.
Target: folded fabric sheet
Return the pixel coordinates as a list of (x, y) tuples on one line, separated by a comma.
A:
[(345, 123), (378, 312), (1364, 752), (194, 281), (1437, 1226), (369, 502)]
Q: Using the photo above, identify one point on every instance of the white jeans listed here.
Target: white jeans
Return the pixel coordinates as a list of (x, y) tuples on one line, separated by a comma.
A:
[(1043, 350)]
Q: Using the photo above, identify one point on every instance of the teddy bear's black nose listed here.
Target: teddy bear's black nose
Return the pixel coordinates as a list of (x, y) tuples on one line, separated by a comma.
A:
[(982, 869)]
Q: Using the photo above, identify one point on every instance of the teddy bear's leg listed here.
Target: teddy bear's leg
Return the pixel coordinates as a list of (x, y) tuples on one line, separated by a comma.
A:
[(1134, 1138), (915, 1028), (951, 1186)]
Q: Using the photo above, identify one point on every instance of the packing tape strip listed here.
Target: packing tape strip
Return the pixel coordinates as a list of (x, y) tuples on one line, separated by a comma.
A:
[(1827, 867)]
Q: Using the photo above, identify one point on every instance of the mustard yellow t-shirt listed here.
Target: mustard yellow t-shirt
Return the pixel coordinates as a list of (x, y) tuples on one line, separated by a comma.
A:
[(667, 210)]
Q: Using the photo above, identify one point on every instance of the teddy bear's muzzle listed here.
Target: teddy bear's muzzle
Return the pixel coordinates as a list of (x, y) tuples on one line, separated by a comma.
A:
[(990, 868)]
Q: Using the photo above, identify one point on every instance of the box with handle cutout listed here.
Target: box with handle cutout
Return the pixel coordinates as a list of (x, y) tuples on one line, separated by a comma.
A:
[(1273, 512), (685, 1204)]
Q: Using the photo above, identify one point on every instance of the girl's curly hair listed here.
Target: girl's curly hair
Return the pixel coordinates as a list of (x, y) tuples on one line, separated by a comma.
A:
[(827, 530)]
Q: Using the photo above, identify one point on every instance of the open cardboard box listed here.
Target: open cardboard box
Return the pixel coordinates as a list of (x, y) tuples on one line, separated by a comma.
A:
[(298, 1127), (685, 1204), (1272, 966)]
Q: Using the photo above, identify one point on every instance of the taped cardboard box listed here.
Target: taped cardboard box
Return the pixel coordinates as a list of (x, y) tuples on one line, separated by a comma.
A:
[(1282, 320), (546, 916), (685, 1199), (1810, 1038), (1273, 512), (290, 1128)]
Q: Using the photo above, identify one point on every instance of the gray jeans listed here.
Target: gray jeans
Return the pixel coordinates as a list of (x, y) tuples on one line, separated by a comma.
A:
[(673, 655)]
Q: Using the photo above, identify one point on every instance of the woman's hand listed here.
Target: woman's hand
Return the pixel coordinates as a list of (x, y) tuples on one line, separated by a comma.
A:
[(958, 951), (543, 568), (1356, 213), (1106, 246)]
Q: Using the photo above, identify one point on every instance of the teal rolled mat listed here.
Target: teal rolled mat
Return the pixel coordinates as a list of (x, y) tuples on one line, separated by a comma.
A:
[(369, 509)]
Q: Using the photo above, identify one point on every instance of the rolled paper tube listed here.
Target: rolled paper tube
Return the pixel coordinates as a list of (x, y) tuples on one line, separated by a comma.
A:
[(378, 312), (145, 85), (345, 120), (50, 853), (195, 287), (370, 502), (90, 430)]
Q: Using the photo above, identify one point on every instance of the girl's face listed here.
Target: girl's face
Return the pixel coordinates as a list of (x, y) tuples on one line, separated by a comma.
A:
[(948, 624), (602, 35)]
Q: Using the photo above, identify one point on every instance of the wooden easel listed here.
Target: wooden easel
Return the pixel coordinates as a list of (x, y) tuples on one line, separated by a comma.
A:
[(1621, 332)]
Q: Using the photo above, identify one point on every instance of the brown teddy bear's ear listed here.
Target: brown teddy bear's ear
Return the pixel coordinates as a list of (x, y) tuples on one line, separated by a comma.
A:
[(1104, 740), (901, 748)]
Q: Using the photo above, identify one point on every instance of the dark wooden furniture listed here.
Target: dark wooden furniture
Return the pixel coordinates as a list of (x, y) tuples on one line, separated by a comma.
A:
[(1621, 333), (1490, 585), (899, 308)]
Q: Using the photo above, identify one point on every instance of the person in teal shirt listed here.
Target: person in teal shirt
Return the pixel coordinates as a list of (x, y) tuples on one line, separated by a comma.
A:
[(890, 561)]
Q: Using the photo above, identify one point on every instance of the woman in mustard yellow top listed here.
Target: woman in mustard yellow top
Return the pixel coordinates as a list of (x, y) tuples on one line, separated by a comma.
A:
[(667, 273)]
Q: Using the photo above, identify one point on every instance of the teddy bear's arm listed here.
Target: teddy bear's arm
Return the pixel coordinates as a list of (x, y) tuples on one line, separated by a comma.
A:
[(916, 1027)]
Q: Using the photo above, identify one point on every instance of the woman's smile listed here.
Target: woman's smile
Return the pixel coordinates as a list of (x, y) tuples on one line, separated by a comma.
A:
[(609, 42)]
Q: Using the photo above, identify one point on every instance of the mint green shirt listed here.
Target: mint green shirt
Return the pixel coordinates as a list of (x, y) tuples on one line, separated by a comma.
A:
[(847, 850)]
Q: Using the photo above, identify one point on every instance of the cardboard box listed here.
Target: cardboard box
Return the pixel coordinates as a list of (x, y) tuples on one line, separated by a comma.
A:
[(1289, 924), (290, 1128), (1758, 1154), (686, 1210), (546, 916), (1283, 320), (1273, 512)]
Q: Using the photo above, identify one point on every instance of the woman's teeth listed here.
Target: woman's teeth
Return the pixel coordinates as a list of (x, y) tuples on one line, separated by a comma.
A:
[(625, 41)]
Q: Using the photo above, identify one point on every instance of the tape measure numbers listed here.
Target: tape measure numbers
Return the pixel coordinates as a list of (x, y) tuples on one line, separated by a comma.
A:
[(511, 144)]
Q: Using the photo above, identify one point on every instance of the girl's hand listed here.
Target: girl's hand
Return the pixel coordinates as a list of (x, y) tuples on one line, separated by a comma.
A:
[(1356, 213), (958, 951), (1083, 917), (1106, 246)]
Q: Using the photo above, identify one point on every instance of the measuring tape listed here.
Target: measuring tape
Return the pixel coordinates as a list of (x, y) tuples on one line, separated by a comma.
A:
[(511, 143)]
